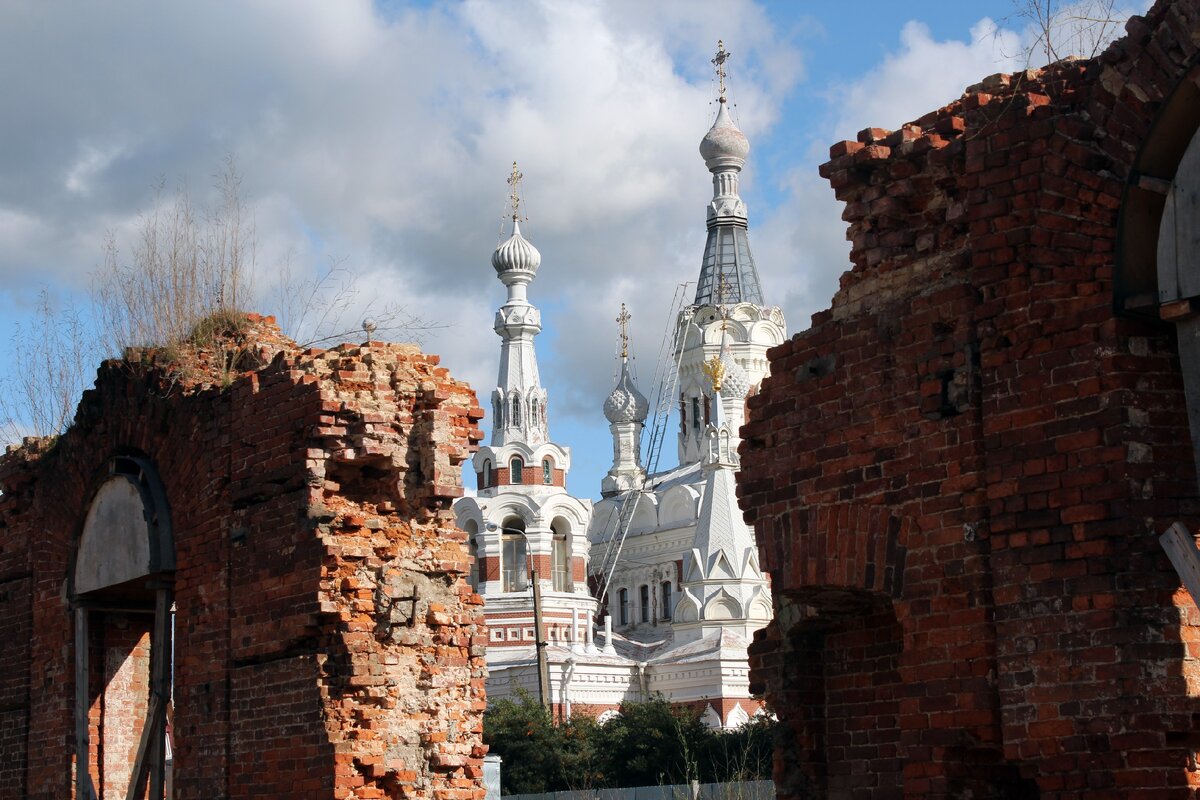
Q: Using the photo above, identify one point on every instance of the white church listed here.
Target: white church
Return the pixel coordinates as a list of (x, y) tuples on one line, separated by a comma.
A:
[(656, 587)]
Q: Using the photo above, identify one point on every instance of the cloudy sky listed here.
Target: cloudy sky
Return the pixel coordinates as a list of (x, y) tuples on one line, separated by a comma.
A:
[(378, 135)]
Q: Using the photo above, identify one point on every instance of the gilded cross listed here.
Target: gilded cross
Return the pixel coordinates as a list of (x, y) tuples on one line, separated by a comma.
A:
[(623, 320), (514, 196), (724, 293), (719, 61)]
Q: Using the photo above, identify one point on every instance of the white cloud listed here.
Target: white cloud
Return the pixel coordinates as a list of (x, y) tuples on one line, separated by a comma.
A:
[(923, 75), (384, 137)]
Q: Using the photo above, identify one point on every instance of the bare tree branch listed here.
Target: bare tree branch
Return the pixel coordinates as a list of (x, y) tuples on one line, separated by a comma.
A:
[(52, 358)]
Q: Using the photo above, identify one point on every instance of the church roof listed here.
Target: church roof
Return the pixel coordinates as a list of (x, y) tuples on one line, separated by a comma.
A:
[(721, 531), (728, 264)]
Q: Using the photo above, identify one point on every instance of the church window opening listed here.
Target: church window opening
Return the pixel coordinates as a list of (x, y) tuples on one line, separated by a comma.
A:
[(513, 556), (497, 410), (644, 597), (533, 412), (666, 599), (623, 597), (487, 474), (516, 412), (682, 415), (696, 413), (516, 471), (547, 471), (561, 559)]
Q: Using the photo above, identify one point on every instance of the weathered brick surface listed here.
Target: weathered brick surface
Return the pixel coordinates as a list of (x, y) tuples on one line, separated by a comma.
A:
[(308, 496), (957, 474)]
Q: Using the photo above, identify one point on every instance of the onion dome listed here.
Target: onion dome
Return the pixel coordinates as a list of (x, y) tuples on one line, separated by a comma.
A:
[(516, 254), (734, 382), (724, 146), (626, 403)]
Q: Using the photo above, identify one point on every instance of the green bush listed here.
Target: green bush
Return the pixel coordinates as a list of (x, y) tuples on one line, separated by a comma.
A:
[(649, 743)]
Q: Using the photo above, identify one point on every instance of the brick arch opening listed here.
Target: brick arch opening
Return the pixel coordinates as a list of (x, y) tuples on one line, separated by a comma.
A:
[(121, 586), (1156, 275), (835, 684), (1147, 187)]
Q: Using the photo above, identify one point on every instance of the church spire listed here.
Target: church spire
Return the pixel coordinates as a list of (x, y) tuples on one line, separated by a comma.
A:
[(518, 401), (728, 295), (625, 409), (727, 254)]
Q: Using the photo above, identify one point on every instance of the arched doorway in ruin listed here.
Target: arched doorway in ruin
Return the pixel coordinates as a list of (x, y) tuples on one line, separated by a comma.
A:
[(121, 589), (1157, 275)]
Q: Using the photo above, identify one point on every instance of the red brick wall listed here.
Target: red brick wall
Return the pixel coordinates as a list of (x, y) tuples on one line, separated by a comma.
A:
[(957, 474), (308, 499), (15, 634)]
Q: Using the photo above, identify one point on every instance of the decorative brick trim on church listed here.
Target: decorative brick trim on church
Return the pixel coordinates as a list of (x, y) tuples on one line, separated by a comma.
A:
[(958, 473)]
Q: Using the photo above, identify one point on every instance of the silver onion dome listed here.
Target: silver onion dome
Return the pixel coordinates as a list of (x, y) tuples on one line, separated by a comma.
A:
[(626, 403), (724, 145), (735, 382), (516, 254)]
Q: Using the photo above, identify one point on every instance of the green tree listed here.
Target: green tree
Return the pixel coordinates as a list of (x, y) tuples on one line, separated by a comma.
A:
[(648, 743), (651, 743), (538, 754)]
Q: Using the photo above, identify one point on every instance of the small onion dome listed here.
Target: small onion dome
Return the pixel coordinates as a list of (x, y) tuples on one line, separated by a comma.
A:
[(724, 145), (735, 382), (516, 254), (626, 403)]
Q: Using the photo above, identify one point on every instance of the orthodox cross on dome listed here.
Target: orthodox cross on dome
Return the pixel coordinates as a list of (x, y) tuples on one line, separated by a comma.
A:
[(514, 193), (726, 295), (623, 320), (719, 62)]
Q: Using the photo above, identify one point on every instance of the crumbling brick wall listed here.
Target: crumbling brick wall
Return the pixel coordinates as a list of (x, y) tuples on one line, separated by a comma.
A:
[(957, 474), (309, 493)]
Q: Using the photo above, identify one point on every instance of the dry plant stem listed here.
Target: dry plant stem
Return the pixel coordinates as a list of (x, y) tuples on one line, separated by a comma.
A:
[(52, 358), (1082, 28), (314, 310), (180, 271)]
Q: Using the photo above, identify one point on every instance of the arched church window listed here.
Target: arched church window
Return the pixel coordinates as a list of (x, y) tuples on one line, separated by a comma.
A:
[(516, 412), (534, 416), (487, 474), (512, 556), (666, 599), (497, 411), (695, 413), (682, 415), (623, 598), (644, 597), (516, 471), (547, 471), (560, 557)]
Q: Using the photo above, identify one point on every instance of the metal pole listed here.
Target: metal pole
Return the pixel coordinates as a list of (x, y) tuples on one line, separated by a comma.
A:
[(160, 682), (83, 778), (539, 637)]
